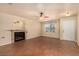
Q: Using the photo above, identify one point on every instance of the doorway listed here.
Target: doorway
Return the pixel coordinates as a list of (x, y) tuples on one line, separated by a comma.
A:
[(68, 28)]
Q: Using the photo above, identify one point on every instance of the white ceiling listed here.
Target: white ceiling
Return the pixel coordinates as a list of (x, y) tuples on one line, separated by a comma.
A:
[(54, 10)]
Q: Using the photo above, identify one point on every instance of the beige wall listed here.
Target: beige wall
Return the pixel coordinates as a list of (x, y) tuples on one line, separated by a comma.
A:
[(6, 23), (32, 26), (57, 33), (78, 28), (51, 34)]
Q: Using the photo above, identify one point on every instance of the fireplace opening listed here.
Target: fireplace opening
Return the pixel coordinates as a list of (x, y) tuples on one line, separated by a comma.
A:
[(19, 36)]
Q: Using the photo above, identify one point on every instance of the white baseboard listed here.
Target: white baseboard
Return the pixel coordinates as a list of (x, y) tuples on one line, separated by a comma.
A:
[(5, 44)]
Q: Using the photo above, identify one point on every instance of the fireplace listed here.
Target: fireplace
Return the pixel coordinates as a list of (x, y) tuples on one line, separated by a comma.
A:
[(19, 36)]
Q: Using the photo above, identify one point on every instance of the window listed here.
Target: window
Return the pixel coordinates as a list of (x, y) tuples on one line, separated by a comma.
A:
[(49, 27)]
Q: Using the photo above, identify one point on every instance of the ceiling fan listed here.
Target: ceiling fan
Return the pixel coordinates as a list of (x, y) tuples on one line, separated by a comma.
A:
[(41, 14)]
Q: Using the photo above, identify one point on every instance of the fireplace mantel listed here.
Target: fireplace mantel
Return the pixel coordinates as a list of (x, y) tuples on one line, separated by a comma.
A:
[(17, 30)]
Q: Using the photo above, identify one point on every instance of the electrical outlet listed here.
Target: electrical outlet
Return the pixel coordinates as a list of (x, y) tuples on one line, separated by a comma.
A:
[(2, 37)]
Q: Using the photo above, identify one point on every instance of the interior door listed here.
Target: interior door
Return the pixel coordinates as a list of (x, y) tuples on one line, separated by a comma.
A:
[(68, 29)]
